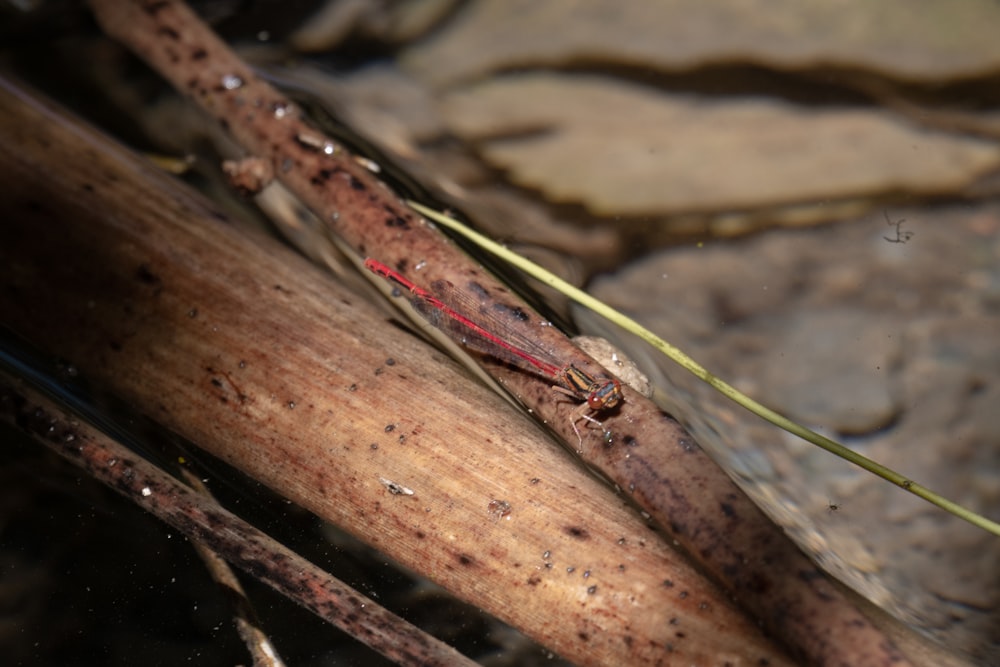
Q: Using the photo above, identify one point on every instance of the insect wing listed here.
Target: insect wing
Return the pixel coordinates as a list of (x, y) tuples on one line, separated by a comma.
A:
[(472, 323)]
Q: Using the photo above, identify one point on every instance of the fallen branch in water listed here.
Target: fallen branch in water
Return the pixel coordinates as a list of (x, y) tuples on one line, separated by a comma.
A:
[(663, 470), (240, 346)]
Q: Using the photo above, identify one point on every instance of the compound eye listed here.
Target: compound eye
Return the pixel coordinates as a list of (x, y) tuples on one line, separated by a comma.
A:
[(604, 396)]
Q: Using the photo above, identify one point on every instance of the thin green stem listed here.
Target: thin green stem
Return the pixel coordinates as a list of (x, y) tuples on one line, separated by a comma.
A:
[(698, 371)]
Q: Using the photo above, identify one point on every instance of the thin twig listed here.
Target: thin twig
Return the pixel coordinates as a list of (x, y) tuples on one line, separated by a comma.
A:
[(262, 650), (198, 517)]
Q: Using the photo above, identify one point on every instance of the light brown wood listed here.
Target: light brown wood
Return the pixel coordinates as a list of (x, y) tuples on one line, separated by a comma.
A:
[(652, 458), (242, 347)]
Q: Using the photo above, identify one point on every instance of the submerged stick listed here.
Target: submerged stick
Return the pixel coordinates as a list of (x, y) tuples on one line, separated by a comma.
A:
[(199, 518)]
